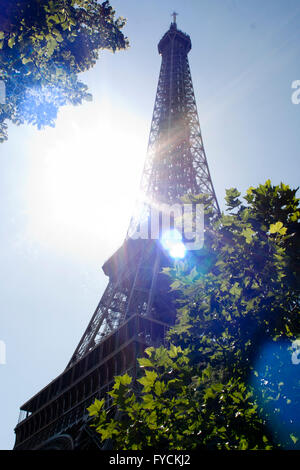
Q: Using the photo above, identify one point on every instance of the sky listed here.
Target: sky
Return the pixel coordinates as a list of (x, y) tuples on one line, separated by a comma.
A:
[(67, 193)]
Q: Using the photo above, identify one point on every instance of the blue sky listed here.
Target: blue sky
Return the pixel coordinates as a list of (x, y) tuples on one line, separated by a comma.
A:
[(66, 194)]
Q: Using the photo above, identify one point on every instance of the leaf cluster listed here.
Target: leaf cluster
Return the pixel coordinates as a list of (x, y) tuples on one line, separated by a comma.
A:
[(44, 45), (215, 386)]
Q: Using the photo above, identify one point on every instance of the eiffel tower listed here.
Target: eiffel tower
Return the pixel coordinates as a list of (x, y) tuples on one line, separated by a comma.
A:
[(137, 306)]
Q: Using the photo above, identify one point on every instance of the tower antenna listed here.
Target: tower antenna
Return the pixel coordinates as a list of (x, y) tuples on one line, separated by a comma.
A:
[(174, 14)]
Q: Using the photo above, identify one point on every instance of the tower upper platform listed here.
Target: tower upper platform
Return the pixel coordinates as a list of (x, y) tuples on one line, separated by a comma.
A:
[(173, 36)]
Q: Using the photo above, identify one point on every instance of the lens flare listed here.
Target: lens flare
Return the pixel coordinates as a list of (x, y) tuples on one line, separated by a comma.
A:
[(171, 240)]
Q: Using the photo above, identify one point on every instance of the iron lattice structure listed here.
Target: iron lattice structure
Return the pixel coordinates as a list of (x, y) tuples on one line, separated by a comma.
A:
[(176, 165), (136, 308)]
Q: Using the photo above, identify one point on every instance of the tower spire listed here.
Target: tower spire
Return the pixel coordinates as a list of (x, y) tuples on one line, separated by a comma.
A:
[(174, 15)]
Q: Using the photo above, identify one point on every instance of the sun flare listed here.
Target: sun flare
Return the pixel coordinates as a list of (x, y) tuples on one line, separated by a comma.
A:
[(83, 177)]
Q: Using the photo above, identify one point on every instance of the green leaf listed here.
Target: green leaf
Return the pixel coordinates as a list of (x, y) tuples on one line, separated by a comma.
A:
[(278, 228), (235, 290), (174, 350), (294, 438), (248, 234), (51, 46), (268, 183), (231, 198), (11, 41), (96, 407), (243, 444), (250, 191), (145, 362), (149, 351), (148, 380), (159, 388), (175, 285), (124, 379), (148, 402)]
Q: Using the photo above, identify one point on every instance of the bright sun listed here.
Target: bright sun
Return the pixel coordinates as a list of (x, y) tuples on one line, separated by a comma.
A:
[(83, 178)]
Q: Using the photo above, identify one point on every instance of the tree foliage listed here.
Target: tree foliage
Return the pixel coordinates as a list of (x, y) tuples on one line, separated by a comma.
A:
[(227, 379), (44, 45)]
